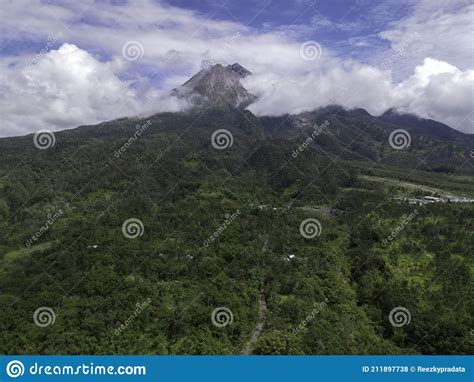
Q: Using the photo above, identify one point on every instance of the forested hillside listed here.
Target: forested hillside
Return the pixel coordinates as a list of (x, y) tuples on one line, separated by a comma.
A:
[(222, 227)]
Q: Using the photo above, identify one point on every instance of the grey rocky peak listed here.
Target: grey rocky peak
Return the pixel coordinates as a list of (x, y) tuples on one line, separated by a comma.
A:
[(217, 86), (239, 70)]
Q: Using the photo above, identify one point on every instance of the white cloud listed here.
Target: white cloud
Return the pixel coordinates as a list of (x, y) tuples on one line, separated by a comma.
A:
[(443, 31), (64, 90), (344, 86), (68, 87), (435, 90), (439, 91)]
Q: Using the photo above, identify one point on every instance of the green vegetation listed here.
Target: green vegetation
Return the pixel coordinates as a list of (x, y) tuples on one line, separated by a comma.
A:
[(427, 181), (183, 190), (14, 255)]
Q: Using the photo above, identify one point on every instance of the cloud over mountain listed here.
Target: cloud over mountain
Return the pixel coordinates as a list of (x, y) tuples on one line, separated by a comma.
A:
[(69, 87), (435, 90), (420, 70)]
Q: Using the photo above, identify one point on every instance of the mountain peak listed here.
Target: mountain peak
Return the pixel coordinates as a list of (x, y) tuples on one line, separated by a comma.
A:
[(217, 85), (239, 70)]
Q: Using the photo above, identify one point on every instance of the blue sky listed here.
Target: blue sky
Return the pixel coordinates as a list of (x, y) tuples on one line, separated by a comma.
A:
[(69, 63), (331, 22), (338, 23)]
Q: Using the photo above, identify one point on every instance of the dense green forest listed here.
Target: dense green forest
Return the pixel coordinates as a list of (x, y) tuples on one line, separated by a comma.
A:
[(222, 228)]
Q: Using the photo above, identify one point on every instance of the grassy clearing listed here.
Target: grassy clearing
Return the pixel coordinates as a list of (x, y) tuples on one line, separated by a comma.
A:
[(399, 183), (419, 180), (19, 253), (451, 188)]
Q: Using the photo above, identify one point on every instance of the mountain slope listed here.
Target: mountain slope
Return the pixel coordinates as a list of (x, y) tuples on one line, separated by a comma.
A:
[(357, 135), (205, 212), (427, 127), (217, 85)]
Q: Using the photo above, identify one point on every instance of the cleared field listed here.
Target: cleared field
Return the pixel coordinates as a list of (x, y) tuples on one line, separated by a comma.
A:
[(13, 255), (420, 180)]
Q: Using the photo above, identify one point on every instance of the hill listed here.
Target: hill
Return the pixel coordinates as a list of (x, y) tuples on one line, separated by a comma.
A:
[(135, 232)]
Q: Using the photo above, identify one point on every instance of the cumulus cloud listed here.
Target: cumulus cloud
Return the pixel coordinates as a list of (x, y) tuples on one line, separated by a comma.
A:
[(68, 87), (439, 91)]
